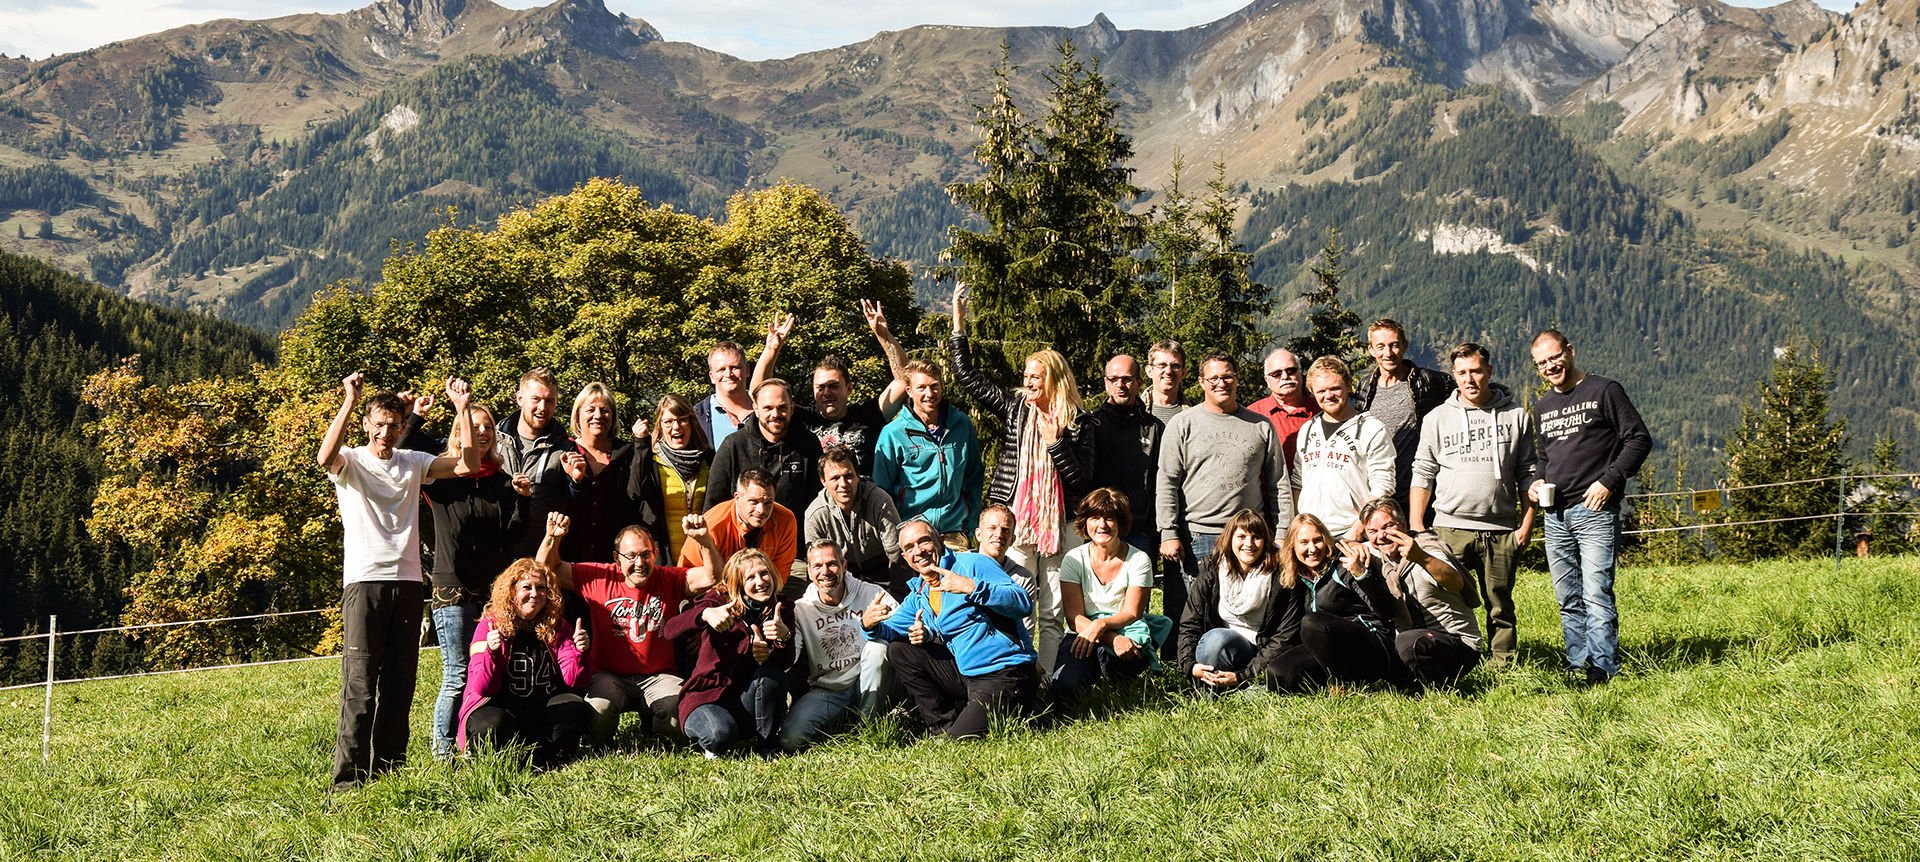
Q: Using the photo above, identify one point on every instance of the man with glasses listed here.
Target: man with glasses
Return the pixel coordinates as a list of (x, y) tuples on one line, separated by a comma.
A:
[(1126, 451), (1167, 369), (1215, 460), (1591, 441), (1287, 405)]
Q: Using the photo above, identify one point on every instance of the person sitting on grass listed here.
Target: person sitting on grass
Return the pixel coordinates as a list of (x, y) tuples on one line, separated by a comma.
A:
[(958, 643), (846, 671), (1103, 586), (741, 637), (1244, 609), (1347, 632), (524, 670), (1443, 642)]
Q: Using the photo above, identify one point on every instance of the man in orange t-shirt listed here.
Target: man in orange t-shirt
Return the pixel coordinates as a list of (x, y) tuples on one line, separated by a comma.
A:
[(750, 520)]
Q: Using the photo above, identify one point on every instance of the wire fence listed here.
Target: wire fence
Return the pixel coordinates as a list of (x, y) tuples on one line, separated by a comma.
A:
[(52, 635)]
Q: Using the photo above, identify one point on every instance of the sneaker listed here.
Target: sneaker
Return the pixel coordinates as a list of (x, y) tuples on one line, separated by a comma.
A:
[(709, 755), (1596, 676)]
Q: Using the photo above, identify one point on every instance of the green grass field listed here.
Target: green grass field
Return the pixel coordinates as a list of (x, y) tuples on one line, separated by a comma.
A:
[(1765, 712)]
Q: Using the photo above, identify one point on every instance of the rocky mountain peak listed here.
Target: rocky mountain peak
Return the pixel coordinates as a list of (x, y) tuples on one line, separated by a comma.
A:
[(432, 20), (585, 23)]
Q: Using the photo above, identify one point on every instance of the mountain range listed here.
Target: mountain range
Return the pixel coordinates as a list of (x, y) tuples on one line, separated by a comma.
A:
[(1691, 183)]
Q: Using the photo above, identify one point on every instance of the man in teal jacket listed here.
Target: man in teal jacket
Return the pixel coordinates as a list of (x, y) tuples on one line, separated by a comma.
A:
[(958, 642), (928, 458)]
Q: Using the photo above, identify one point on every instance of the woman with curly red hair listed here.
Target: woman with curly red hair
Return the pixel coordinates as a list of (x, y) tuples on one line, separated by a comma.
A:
[(524, 670)]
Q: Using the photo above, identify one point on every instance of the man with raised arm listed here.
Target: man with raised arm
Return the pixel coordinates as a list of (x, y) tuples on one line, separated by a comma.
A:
[(834, 419), (1592, 441), (1215, 459), (1476, 455), (928, 458), (378, 486), (628, 601), (1288, 405), (1399, 394), (957, 642), (727, 407)]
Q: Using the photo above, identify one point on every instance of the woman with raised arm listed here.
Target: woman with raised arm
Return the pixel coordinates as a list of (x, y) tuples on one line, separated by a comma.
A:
[(741, 637), (528, 662), (1244, 609), (478, 518), (1103, 588), (1347, 631), (1042, 471), (666, 473)]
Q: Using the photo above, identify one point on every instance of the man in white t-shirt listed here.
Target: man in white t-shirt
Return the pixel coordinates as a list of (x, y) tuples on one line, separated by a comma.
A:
[(846, 670), (379, 491)]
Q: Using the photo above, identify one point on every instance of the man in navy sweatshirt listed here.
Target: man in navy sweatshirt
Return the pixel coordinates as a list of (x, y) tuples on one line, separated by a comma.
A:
[(1591, 441)]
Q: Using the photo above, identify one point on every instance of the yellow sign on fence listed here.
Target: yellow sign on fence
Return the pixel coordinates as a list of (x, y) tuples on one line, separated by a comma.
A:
[(1706, 501)]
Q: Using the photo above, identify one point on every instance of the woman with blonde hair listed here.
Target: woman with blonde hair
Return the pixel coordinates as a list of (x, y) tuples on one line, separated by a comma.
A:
[(596, 468), (525, 670), (1347, 631), (1244, 608), (1042, 471), (740, 634), (478, 519)]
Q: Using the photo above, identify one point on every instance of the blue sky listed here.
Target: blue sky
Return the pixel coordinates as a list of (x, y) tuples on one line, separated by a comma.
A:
[(753, 29)]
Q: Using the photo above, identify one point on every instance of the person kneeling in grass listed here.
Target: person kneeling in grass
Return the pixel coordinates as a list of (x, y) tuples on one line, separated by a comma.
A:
[(741, 637), (524, 670), (958, 642), (1103, 586), (846, 670), (1243, 610), (1347, 632)]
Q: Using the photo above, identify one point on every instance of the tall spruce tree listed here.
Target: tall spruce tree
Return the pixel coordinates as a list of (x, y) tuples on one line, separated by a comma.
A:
[(1786, 436), (1202, 293), (1334, 327), (1057, 262)]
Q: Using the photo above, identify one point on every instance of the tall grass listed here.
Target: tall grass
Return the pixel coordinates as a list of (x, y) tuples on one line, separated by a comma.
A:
[(1766, 712)]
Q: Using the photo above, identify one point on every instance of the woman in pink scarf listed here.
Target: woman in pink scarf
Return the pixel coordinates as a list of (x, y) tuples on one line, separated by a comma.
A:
[(1042, 471)]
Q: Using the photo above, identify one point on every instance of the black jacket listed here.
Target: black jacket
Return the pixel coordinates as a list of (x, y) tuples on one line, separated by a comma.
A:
[(1280, 630), (540, 459), (1366, 601), (477, 521), (1430, 389), (794, 464), (1072, 453), (1126, 456)]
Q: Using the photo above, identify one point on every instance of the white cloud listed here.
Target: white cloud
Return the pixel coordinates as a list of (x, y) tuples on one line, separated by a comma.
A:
[(753, 29)]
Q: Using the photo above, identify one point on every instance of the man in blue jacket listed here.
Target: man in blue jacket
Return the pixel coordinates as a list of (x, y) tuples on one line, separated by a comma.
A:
[(958, 643), (928, 458)]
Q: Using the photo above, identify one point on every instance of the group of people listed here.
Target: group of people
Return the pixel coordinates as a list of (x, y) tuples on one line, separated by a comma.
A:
[(754, 574)]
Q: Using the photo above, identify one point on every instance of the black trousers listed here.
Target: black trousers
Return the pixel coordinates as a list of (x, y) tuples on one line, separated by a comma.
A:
[(380, 633), (1435, 657), (553, 727), (1331, 647), (956, 705)]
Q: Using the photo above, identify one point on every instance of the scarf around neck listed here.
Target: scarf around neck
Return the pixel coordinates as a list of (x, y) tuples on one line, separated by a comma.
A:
[(1036, 497)]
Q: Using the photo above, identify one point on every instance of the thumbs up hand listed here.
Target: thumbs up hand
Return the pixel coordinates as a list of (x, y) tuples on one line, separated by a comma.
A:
[(761, 649), (918, 633)]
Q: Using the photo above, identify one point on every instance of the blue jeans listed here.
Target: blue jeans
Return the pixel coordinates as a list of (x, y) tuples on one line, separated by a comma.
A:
[(817, 713), (752, 714), (1224, 649), (453, 625), (1580, 552)]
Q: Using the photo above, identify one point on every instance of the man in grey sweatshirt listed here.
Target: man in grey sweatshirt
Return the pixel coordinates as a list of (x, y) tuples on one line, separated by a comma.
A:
[(1215, 459), (858, 516), (1476, 452)]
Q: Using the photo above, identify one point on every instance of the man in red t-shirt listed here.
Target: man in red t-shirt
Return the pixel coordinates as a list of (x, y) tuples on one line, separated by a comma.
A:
[(628, 601), (1288, 405)]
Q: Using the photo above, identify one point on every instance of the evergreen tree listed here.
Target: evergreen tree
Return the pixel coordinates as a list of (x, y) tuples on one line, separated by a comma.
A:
[(1333, 326), (1202, 293), (1787, 436), (1888, 494), (1057, 263)]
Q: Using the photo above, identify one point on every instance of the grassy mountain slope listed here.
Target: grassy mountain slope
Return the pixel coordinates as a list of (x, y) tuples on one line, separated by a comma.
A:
[(1689, 754)]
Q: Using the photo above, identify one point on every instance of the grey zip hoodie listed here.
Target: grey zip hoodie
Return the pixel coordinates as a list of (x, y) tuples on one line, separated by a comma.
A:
[(1476, 460)]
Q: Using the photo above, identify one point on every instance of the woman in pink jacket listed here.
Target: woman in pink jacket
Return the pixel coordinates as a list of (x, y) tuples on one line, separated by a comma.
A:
[(524, 670)]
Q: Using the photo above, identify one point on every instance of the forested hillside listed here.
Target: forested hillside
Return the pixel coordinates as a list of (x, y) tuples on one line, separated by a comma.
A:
[(55, 330)]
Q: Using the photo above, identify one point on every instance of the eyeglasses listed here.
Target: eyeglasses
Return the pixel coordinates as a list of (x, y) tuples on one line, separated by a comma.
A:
[(1120, 378), (628, 558), (1542, 363), (1219, 379), (1289, 371)]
